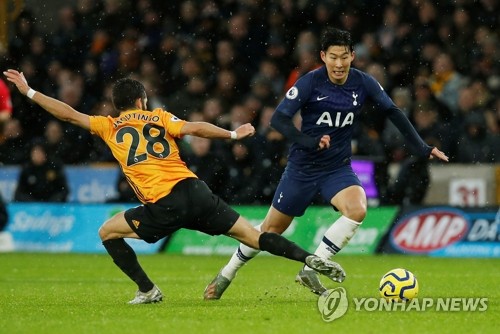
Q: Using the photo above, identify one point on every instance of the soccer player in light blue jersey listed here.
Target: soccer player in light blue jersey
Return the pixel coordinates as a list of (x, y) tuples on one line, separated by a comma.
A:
[(330, 99)]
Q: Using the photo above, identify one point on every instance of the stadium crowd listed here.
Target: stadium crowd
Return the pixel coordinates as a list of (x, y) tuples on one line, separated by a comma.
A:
[(231, 61)]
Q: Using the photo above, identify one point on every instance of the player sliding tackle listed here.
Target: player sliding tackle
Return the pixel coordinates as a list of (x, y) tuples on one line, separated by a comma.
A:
[(172, 197), (330, 99)]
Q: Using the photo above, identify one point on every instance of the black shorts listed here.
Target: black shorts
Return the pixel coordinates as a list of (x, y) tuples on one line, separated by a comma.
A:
[(190, 205)]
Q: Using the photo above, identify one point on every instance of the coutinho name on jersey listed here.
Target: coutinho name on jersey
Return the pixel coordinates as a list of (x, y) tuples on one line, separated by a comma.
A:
[(136, 116)]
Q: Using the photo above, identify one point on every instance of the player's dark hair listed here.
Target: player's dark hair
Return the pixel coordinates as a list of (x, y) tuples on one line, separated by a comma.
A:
[(333, 36), (126, 92)]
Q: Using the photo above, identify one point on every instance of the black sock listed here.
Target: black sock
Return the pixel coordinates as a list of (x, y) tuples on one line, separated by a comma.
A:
[(125, 258), (280, 246)]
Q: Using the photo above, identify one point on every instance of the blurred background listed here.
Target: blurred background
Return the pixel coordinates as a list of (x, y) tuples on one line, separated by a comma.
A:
[(230, 62)]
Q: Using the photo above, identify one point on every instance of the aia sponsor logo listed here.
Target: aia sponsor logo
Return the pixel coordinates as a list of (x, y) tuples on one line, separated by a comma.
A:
[(428, 230)]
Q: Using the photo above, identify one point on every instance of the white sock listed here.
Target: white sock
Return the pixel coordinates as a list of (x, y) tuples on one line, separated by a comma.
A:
[(241, 256), (336, 237)]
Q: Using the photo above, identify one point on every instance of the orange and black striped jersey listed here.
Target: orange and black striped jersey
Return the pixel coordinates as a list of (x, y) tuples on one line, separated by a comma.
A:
[(143, 144)]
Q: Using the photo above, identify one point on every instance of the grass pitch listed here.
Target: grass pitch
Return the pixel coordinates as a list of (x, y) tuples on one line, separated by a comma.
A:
[(77, 293)]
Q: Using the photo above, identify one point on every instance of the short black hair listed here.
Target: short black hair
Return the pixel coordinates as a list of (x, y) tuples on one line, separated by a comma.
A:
[(333, 36), (125, 92)]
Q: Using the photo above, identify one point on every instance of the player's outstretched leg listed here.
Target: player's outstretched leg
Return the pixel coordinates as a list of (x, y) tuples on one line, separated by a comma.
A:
[(310, 278), (335, 238), (280, 246), (216, 287), (125, 258), (220, 283)]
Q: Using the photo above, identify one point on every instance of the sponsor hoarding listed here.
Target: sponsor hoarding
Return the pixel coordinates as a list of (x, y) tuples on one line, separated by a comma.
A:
[(64, 227), (445, 231), (306, 231)]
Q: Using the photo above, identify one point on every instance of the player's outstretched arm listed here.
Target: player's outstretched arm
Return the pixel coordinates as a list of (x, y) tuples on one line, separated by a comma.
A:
[(438, 154), (208, 130), (55, 107)]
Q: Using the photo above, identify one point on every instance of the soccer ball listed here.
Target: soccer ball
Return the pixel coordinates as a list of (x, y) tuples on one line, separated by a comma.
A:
[(398, 285)]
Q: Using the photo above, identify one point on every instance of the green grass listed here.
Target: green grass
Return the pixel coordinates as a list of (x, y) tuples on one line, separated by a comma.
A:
[(73, 293)]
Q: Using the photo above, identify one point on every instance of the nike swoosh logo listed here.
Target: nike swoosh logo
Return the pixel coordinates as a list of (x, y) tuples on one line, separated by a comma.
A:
[(319, 98)]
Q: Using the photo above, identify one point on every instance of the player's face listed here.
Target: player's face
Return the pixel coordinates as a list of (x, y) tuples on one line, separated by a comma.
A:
[(338, 61)]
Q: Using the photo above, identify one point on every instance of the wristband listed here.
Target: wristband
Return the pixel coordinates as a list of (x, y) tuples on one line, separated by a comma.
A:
[(234, 135), (30, 93)]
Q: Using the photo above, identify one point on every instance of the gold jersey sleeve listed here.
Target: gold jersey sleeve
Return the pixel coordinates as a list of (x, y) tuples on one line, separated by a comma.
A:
[(143, 144)]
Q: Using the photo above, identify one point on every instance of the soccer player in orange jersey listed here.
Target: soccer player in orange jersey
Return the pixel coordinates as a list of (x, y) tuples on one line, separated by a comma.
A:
[(142, 142)]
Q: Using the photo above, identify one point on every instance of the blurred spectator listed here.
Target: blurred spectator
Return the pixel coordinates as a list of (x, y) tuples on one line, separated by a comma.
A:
[(246, 40), (71, 91), (69, 38), (426, 27), (271, 151), (87, 12), (426, 120), (350, 20), (57, 147), (92, 80), (53, 71), (23, 109), (261, 89), (268, 69), (362, 58), (393, 140), (495, 108), (209, 24), (387, 33), (372, 121), (412, 181), (24, 29), (13, 149), (149, 23), (129, 53), (410, 184), (422, 94), (242, 184), (207, 164), (188, 18), (125, 192), (213, 112), (368, 142), (306, 57), (41, 179), (446, 82), (188, 99), (276, 48), (486, 60), (462, 31), (114, 17), (40, 54), (155, 100), (225, 87), (99, 151), (476, 145), (227, 58), (240, 114), (467, 103), (487, 13)]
